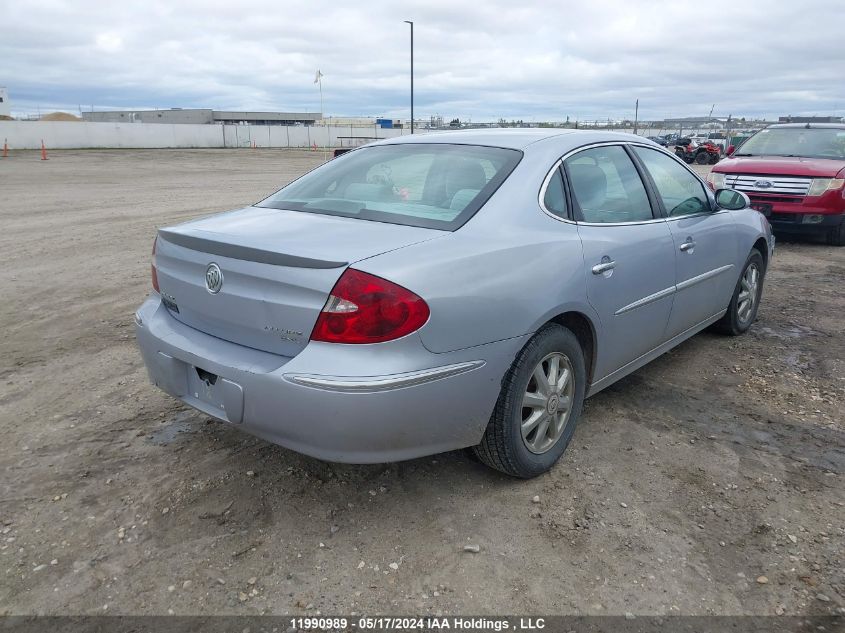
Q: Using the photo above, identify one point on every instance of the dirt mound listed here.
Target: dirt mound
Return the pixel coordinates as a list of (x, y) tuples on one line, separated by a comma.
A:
[(60, 116), (6, 117)]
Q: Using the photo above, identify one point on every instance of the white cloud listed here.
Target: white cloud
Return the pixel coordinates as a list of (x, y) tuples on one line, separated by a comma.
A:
[(532, 59), (109, 42)]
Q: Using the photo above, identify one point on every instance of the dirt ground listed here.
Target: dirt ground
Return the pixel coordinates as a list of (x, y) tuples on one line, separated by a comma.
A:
[(708, 482)]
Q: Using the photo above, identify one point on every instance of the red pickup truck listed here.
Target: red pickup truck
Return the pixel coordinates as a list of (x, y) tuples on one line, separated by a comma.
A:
[(794, 174)]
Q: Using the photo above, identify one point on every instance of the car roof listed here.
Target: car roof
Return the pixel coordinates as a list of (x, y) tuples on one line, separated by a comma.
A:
[(512, 138)]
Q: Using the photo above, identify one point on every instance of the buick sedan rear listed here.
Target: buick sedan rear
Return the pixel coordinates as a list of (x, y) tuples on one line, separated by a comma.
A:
[(436, 292)]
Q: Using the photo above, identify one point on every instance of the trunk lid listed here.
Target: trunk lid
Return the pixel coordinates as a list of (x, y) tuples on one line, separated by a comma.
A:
[(277, 268)]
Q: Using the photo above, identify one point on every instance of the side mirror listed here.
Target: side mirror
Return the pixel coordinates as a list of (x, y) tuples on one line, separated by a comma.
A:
[(730, 151), (732, 200)]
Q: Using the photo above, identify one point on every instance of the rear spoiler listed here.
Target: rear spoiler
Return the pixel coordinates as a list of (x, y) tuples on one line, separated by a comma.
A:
[(246, 253)]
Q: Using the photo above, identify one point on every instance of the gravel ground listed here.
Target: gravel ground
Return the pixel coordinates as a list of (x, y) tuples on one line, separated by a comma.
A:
[(710, 481)]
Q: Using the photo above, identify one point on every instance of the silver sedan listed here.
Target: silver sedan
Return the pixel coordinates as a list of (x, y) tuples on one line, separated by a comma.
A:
[(435, 292)]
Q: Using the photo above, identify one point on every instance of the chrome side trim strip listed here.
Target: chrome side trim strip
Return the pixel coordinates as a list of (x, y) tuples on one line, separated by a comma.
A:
[(703, 277), (646, 300), (371, 384), (660, 294)]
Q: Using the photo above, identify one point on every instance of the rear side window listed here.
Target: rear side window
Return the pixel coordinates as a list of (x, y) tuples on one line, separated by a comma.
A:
[(554, 200), (681, 192), (607, 187), (432, 185)]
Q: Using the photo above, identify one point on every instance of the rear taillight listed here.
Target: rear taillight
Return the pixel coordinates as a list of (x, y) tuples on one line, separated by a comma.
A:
[(153, 268), (363, 308)]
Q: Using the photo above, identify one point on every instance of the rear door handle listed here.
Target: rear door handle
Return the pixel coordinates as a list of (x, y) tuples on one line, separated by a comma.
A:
[(606, 265), (688, 244)]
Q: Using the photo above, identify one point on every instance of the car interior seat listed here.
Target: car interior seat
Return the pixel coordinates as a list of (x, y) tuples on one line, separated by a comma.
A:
[(589, 184)]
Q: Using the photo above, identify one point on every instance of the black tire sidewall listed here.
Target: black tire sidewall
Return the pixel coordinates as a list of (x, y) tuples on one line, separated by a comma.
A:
[(550, 339)]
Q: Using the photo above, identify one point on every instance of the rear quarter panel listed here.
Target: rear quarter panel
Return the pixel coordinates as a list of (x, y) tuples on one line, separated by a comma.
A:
[(489, 287)]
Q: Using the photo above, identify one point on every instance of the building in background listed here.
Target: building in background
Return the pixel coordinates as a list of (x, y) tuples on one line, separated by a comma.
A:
[(202, 115), (362, 121), (810, 119), (5, 106)]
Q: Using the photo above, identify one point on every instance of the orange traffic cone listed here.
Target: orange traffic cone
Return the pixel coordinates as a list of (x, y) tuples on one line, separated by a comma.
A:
[(5, 148), (43, 151)]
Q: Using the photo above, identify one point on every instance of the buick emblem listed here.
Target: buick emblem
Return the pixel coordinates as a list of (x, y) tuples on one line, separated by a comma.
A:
[(763, 184), (213, 278)]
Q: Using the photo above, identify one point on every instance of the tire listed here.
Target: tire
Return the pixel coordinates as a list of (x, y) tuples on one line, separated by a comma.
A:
[(701, 158), (714, 158), (738, 318), (836, 235), (503, 446)]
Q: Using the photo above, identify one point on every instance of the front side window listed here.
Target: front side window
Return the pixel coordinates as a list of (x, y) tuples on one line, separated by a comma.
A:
[(681, 192), (430, 185), (607, 187)]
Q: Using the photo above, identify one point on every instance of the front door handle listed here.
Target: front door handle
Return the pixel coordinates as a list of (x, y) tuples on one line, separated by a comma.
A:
[(606, 265), (688, 244)]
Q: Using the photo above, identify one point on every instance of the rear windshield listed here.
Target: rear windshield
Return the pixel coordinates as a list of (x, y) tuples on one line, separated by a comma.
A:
[(429, 185), (796, 141)]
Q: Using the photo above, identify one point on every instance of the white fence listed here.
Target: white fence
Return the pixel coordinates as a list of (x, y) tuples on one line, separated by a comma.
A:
[(84, 135)]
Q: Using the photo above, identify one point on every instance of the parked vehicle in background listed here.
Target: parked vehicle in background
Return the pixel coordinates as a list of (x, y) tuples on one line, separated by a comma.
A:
[(659, 140), (441, 291), (695, 151), (794, 174)]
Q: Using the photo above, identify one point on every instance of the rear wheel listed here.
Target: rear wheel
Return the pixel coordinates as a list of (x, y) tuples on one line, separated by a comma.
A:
[(746, 298), (701, 158), (538, 407), (836, 235)]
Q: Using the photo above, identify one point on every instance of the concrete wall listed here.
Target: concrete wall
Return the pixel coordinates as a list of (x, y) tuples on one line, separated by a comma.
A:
[(76, 135), (73, 135)]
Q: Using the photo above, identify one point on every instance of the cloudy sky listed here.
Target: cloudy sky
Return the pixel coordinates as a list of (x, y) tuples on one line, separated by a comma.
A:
[(480, 60)]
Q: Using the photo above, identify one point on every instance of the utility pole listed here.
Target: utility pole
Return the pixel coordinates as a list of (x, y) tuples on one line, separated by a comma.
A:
[(636, 114), (412, 73)]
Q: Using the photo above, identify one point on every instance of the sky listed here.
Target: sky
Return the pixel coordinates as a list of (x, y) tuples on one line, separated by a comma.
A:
[(478, 61)]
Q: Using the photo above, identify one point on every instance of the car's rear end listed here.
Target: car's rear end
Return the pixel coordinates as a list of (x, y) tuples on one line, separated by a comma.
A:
[(795, 176), (266, 317)]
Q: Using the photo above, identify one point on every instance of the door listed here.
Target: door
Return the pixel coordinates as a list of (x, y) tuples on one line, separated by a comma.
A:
[(705, 242), (628, 254)]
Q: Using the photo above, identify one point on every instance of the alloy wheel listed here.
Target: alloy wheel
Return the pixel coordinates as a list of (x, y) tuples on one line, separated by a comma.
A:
[(747, 298), (547, 402)]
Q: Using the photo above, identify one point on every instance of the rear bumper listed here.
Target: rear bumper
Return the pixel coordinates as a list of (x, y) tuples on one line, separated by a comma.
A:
[(344, 403)]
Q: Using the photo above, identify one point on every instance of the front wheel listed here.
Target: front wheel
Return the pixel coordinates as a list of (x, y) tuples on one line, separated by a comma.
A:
[(538, 407), (742, 309)]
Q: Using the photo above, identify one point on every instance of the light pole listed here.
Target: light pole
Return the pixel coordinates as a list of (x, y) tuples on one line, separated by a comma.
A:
[(412, 73)]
